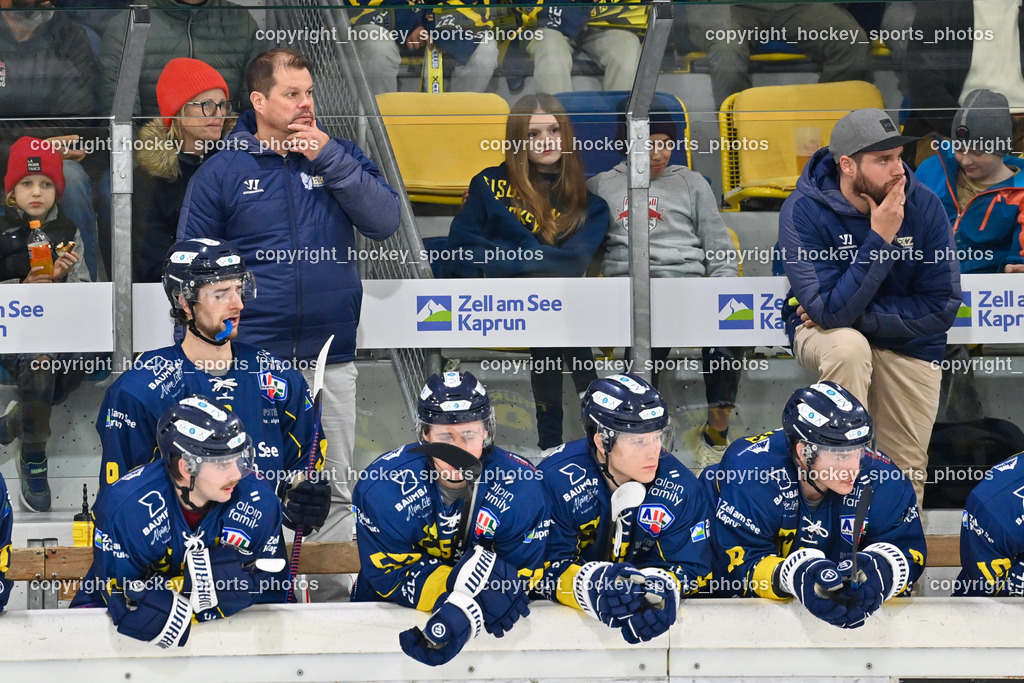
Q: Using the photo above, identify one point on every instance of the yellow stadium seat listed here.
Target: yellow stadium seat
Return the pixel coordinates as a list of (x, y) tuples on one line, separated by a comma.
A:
[(761, 129), (442, 140)]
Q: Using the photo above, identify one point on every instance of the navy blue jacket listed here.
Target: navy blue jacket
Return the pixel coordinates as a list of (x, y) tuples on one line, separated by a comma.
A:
[(292, 219), (902, 296)]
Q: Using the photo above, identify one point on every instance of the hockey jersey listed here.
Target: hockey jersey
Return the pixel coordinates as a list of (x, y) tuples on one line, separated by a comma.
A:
[(761, 516), (272, 401), (669, 530), (992, 539), (6, 523), (141, 534), (406, 532)]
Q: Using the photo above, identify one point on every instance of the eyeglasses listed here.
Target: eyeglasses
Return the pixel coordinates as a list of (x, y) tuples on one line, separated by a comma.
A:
[(210, 108)]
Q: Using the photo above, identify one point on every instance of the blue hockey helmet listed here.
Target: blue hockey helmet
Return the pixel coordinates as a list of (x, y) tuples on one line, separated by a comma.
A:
[(626, 404), (826, 416), (190, 264), (198, 430), (454, 398)]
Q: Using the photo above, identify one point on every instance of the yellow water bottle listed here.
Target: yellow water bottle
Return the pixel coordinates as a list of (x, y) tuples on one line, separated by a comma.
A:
[(82, 528)]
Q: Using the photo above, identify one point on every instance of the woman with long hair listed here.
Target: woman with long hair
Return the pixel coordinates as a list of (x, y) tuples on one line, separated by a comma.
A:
[(532, 216)]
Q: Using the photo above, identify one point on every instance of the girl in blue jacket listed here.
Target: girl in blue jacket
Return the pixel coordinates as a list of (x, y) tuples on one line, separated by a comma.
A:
[(532, 216)]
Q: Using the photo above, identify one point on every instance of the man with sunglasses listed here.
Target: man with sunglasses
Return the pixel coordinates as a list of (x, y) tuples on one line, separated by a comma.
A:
[(432, 540), (207, 282), (629, 523), (812, 511), (190, 537)]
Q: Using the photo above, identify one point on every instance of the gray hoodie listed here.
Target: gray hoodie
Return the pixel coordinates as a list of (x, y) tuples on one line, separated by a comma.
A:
[(684, 224)]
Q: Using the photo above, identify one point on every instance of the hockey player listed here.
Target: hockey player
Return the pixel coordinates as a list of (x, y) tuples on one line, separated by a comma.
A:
[(787, 512), (991, 539), (431, 540), (207, 283), (629, 523), (6, 522), (191, 535)]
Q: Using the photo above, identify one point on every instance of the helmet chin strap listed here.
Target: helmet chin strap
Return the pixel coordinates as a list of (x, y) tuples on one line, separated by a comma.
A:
[(219, 340), (808, 477), (187, 500)]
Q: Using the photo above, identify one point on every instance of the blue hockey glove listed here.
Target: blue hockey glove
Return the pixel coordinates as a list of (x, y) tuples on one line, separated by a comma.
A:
[(609, 591), (817, 583), (495, 585), (161, 617), (882, 572), (305, 502), (658, 613), (235, 583), (454, 624)]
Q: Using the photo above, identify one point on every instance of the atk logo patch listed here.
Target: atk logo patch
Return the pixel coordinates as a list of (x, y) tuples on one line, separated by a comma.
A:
[(486, 523), (237, 538), (654, 518), (273, 388), (846, 527)]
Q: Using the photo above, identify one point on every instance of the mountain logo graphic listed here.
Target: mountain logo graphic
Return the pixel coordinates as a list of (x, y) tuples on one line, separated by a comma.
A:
[(433, 313), (963, 315), (735, 311)]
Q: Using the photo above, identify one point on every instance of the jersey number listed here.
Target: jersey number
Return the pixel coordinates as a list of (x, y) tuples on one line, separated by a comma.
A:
[(113, 472)]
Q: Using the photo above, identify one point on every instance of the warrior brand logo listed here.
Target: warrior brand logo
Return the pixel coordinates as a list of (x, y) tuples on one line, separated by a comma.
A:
[(735, 311), (237, 538), (273, 388), (653, 215), (486, 523), (252, 186), (433, 313), (654, 518), (963, 314)]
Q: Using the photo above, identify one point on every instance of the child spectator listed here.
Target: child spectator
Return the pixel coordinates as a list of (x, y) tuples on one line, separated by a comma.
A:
[(194, 104), (536, 201), (34, 182), (684, 226)]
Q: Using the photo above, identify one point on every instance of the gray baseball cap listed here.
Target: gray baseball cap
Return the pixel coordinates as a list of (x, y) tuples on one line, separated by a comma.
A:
[(865, 130)]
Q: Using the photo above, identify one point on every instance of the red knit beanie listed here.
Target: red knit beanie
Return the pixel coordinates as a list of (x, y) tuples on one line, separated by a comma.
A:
[(32, 156), (181, 80)]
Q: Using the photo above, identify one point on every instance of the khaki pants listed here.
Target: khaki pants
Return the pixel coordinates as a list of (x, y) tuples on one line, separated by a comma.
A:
[(615, 50), (901, 393)]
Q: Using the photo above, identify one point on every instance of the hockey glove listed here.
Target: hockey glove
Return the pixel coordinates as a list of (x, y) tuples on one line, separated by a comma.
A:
[(1014, 585), (304, 502), (609, 591), (234, 582), (454, 624), (816, 582), (882, 572), (495, 585), (159, 616), (658, 613)]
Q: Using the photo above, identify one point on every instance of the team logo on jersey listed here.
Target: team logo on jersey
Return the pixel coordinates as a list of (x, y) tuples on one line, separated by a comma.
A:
[(735, 311), (433, 313), (273, 388), (237, 538), (486, 523), (654, 518), (846, 527), (699, 532), (575, 473), (653, 215)]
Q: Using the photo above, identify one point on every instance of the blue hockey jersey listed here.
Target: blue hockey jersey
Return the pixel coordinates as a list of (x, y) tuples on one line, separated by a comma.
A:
[(669, 530), (272, 401), (141, 534), (761, 516), (6, 523), (405, 531), (992, 539)]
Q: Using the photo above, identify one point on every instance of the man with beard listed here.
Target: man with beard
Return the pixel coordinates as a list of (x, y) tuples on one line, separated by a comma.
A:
[(875, 281)]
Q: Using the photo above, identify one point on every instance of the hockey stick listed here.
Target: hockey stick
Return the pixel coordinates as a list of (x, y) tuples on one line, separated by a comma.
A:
[(471, 468), (314, 450), (627, 497), (858, 527)]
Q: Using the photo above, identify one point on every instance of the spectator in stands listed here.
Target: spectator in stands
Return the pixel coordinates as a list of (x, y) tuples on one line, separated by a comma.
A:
[(49, 73), (684, 227), (465, 555), (875, 281), (218, 32), (191, 537), (786, 508), (980, 185), (194, 108), (34, 182), (460, 30), (6, 524), (802, 24), (284, 186), (624, 549), (964, 46), (537, 202), (607, 32)]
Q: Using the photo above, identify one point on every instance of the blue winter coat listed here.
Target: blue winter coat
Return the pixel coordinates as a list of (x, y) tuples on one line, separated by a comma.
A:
[(901, 296), (988, 228), (292, 220)]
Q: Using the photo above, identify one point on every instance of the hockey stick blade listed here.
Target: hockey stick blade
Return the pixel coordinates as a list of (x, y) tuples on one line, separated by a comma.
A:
[(626, 497), (462, 460)]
